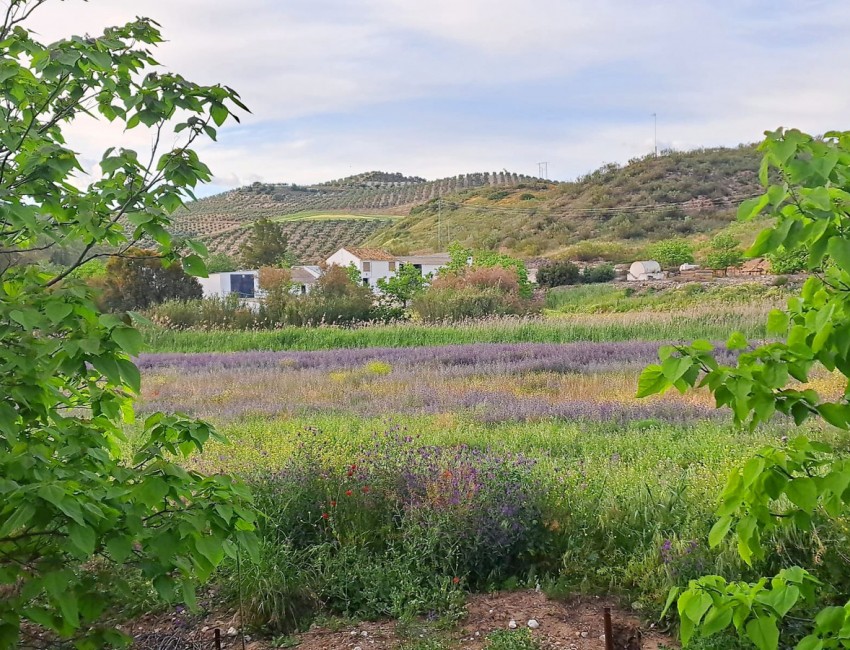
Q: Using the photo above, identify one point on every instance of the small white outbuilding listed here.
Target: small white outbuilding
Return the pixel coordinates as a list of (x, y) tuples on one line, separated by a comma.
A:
[(643, 271)]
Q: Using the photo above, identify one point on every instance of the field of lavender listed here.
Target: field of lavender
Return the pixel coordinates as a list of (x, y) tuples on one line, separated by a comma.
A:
[(394, 479)]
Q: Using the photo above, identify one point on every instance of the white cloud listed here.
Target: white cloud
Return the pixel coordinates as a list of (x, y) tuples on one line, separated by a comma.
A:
[(715, 72)]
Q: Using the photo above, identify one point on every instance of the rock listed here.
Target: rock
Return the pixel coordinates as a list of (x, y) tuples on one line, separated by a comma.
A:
[(357, 647), (512, 624), (364, 633), (353, 632), (232, 631), (206, 628), (584, 635), (533, 624)]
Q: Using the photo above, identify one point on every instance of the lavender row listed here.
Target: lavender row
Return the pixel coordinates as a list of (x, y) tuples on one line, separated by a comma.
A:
[(477, 358)]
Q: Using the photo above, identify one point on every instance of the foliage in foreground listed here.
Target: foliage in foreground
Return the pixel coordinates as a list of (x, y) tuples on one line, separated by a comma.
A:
[(74, 516), (806, 483)]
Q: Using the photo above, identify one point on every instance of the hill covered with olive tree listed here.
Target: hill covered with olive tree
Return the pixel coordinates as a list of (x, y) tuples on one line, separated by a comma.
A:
[(612, 212)]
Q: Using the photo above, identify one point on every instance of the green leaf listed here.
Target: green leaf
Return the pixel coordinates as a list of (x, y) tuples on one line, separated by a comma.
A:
[(811, 642), (716, 620), (211, 548), (839, 250), (82, 540), (128, 338), (652, 381), (736, 341), (763, 632), (803, 493), (777, 322), (18, 520), (671, 598), (194, 265), (119, 547), (719, 530)]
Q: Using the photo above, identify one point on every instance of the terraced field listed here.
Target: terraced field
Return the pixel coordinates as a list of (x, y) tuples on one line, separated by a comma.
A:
[(321, 218), (311, 239)]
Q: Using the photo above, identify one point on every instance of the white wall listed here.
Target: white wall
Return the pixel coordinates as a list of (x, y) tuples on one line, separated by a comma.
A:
[(218, 284), (343, 258), (378, 269)]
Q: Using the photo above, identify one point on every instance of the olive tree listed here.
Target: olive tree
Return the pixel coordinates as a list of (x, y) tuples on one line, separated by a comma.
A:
[(74, 504), (798, 485)]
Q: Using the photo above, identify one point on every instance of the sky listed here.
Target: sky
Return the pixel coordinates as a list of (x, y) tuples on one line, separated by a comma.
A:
[(441, 87)]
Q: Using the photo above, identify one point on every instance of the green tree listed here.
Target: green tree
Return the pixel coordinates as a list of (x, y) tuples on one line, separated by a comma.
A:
[(220, 263), (463, 259), (75, 514), (672, 253), (804, 483), (403, 286), (724, 251), (266, 246), (138, 280)]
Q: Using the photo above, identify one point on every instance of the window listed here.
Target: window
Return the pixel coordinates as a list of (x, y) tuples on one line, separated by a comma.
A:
[(367, 267), (392, 267), (365, 282)]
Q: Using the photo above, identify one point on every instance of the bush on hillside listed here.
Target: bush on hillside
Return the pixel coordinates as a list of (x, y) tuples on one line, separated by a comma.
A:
[(598, 273), (724, 252), (558, 273), (672, 253)]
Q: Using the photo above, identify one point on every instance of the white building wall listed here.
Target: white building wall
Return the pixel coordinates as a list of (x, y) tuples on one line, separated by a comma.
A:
[(343, 258), (377, 269)]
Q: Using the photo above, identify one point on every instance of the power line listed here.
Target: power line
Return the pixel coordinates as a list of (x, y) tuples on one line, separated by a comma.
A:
[(543, 170)]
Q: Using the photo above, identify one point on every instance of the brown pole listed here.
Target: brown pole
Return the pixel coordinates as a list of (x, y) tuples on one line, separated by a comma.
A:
[(609, 633), (217, 634)]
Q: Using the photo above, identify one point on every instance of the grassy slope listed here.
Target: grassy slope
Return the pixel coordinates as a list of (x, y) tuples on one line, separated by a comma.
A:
[(622, 208)]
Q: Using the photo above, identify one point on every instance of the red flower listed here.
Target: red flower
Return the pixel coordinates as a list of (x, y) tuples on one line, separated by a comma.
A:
[(348, 493), (456, 580), (353, 467), (325, 515), (365, 489), (333, 504), (351, 472)]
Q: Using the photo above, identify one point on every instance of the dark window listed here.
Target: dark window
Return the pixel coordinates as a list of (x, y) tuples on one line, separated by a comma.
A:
[(365, 282), (242, 284)]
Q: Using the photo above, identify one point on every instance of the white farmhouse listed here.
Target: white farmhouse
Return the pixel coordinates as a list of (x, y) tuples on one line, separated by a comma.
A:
[(426, 264), (304, 278), (244, 283), (642, 271), (372, 263)]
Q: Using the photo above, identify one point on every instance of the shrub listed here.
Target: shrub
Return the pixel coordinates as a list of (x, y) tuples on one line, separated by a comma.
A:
[(599, 273), (558, 273), (473, 293), (672, 253), (724, 252)]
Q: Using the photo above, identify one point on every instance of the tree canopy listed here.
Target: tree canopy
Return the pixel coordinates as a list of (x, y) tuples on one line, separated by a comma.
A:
[(267, 245), (794, 485), (70, 498)]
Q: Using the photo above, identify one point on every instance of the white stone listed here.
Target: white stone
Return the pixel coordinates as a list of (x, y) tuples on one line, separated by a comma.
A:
[(533, 624), (364, 633), (232, 632), (512, 624), (584, 635), (353, 632)]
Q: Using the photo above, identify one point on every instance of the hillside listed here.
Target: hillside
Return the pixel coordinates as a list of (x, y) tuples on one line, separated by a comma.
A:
[(619, 209), (321, 218), (613, 212)]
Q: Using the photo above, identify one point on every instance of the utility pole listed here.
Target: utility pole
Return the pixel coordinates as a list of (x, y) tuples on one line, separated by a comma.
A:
[(655, 132), (543, 170), (439, 221)]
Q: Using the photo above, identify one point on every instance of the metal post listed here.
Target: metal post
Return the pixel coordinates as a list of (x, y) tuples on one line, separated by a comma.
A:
[(609, 633)]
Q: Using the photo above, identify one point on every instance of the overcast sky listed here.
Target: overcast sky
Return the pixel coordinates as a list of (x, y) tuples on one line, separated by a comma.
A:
[(440, 87)]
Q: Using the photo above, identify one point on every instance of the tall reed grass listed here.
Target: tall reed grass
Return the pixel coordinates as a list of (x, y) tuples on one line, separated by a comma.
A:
[(700, 322)]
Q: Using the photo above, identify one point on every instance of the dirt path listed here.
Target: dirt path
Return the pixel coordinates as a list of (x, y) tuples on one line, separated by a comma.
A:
[(576, 624)]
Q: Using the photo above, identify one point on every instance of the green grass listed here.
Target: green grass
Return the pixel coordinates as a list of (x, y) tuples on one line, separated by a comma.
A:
[(711, 324), (617, 298)]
